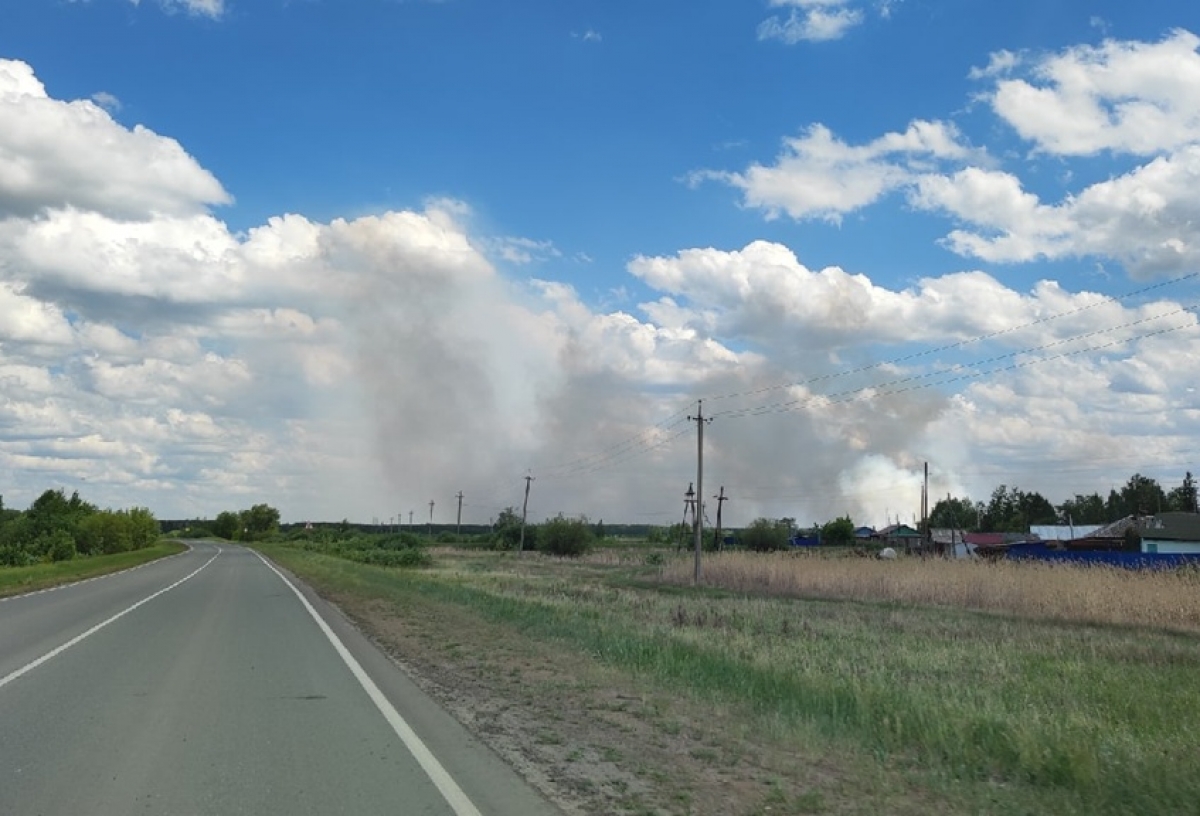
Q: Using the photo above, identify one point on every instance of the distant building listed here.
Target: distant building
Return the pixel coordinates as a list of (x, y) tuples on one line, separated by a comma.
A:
[(899, 535), (1172, 533), (1062, 532)]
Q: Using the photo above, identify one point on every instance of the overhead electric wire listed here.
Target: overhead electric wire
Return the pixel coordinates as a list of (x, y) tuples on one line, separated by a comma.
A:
[(957, 344), (643, 442), (637, 442), (849, 394), (629, 454)]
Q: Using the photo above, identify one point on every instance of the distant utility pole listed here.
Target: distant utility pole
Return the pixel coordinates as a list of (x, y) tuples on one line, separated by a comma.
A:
[(524, 510), (431, 518), (699, 420), (458, 524), (410, 515), (721, 499), (925, 531), (689, 508)]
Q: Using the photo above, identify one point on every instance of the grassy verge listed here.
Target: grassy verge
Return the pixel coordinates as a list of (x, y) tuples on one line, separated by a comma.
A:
[(18, 580), (926, 709)]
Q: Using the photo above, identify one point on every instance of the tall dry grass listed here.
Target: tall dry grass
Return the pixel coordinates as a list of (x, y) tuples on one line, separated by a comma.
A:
[(1091, 594)]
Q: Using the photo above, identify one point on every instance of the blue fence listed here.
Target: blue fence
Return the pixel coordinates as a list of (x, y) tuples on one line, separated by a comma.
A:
[(1038, 551)]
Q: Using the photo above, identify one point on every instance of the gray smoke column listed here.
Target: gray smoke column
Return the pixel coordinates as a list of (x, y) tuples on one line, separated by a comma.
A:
[(447, 362)]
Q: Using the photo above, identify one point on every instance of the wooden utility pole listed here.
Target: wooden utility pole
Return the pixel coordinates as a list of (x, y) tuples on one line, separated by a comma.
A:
[(925, 531), (689, 507), (699, 420), (721, 499), (458, 524), (524, 510), (431, 519)]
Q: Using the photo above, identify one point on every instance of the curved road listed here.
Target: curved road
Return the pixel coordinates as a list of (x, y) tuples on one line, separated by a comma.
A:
[(206, 684)]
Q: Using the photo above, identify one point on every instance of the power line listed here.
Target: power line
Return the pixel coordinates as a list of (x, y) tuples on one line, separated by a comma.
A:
[(626, 454), (584, 462), (640, 443), (1107, 299), (956, 373)]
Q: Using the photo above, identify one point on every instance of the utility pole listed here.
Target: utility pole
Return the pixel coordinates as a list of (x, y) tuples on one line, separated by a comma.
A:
[(431, 519), (410, 515), (689, 506), (458, 524), (925, 531), (699, 420), (524, 510), (721, 499)]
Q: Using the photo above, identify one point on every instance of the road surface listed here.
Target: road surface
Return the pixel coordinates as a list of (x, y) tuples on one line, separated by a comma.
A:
[(205, 684)]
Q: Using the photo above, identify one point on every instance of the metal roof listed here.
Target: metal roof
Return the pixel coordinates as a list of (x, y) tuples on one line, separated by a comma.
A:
[(1062, 532)]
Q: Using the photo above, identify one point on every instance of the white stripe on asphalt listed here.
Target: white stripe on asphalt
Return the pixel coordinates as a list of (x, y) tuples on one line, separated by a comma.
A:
[(451, 792), (28, 667), (83, 581)]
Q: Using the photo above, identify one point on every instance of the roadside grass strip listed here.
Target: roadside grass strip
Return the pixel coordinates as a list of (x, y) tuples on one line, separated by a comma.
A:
[(16, 581)]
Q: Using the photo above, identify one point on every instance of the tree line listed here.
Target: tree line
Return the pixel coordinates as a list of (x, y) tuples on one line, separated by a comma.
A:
[(58, 528), (1010, 509)]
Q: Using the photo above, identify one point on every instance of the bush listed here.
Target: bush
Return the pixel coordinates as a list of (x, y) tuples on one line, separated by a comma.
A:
[(766, 535), (61, 546), (564, 536), (839, 532), (391, 558), (105, 532)]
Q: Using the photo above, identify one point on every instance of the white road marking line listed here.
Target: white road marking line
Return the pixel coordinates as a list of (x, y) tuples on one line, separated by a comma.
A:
[(57, 587), (451, 792), (28, 667)]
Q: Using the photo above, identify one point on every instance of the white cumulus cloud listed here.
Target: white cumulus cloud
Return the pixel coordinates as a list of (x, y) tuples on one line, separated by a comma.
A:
[(811, 21)]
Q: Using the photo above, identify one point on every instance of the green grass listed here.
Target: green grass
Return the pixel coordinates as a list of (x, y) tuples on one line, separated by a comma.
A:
[(18, 580), (1004, 714)]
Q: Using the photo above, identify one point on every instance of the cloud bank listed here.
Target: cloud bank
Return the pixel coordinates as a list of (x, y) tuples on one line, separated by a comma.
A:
[(362, 367)]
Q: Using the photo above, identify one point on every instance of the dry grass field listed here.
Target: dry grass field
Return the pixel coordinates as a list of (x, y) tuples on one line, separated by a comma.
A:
[(1041, 591)]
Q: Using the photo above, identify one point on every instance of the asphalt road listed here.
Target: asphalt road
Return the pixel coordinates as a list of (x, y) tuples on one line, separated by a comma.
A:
[(204, 684)]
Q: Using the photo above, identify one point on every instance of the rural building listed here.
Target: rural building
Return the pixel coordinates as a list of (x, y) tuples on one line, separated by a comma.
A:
[(1062, 532), (1171, 533), (899, 536)]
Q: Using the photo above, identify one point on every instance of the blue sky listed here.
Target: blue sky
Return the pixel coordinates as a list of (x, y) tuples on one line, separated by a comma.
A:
[(586, 156)]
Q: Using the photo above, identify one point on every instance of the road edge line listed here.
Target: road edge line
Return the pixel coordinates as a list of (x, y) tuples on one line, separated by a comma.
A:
[(458, 801)]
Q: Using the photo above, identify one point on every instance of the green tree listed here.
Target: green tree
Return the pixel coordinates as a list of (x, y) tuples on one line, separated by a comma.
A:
[(228, 525), (143, 527), (1083, 510), (1141, 495), (53, 511), (1012, 510), (839, 532), (767, 535), (259, 522), (1183, 498), (104, 533), (954, 514), (506, 532)]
